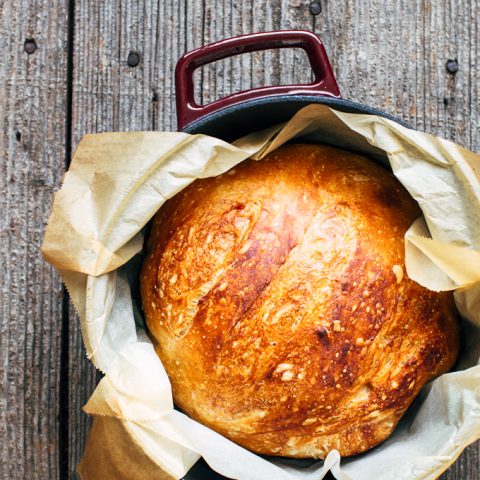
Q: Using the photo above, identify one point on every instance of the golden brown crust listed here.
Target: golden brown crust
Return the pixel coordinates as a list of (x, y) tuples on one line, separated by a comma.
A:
[(278, 302)]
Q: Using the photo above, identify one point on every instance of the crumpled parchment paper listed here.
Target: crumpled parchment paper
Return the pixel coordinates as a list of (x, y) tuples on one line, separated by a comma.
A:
[(116, 183)]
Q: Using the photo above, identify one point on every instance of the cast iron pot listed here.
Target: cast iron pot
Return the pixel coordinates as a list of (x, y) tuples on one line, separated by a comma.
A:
[(244, 112)]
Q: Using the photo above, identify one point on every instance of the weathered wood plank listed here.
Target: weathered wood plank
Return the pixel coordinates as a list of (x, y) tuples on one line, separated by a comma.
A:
[(393, 55), (228, 19), (81, 381), (32, 136), (108, 95), (467, 466), (388, 54)]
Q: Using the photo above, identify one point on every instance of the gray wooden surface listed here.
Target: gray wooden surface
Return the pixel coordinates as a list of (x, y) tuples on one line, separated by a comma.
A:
[(388, 54)]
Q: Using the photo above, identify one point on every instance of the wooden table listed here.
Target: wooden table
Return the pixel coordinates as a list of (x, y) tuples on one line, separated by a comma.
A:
[(78, 66)]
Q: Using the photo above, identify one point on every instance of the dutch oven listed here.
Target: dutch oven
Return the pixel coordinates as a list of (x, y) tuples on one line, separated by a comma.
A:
[(251, 110), (244, 112)]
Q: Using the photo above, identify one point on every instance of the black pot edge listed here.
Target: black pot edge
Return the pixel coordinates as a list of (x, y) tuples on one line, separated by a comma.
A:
[(300, 101)]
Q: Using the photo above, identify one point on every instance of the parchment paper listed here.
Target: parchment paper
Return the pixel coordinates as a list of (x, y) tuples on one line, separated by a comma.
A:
[(117, 181)]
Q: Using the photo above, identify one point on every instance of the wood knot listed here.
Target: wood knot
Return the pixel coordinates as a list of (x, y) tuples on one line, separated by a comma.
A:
[(30, 46), (315, 8), (452, 66), (133, 59)]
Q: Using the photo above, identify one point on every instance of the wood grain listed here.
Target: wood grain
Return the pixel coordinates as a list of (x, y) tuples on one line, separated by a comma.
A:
[(393, 55), (108, 95), (32, 149), (386, 54)]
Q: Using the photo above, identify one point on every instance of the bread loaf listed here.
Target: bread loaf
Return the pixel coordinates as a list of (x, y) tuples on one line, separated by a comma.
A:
[(277, 299)]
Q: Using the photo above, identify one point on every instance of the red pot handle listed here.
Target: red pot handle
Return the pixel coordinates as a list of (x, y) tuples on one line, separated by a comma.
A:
[(324, 84)]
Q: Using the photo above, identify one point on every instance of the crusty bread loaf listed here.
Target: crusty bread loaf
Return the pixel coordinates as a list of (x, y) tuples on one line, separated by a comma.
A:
[(277, 298)]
